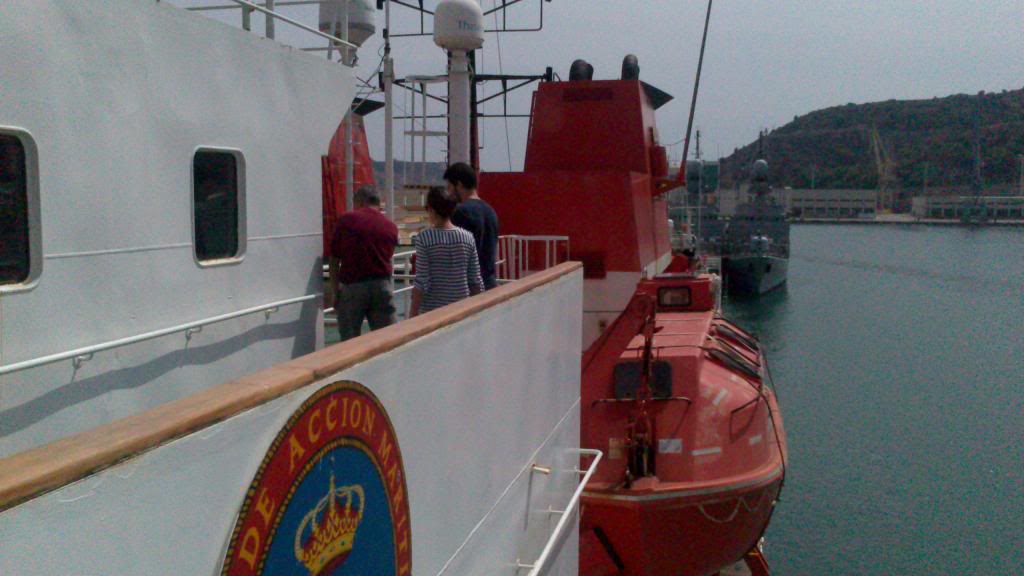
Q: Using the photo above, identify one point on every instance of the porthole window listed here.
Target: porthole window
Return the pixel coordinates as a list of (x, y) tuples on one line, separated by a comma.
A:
[(20, 251), (218, 206)]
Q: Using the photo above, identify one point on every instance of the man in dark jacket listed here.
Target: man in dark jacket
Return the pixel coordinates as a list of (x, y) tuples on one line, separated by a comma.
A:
[(477, 217)]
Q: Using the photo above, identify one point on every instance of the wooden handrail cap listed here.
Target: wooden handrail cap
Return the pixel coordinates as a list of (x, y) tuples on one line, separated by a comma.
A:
[(39, 470)]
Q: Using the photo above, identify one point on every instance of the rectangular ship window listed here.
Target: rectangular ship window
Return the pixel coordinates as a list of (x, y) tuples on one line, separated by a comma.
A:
[(674, 297), (15, 239), (218, 205)]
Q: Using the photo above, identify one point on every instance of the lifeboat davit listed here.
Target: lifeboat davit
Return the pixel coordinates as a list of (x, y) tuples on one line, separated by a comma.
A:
[(677, 397)]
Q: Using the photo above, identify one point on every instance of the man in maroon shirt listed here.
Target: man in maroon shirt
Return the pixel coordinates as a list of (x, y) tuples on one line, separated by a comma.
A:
[(361, 251)]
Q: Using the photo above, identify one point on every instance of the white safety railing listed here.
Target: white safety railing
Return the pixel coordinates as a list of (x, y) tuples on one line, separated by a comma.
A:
[(268, 9), (516, 252), (563, 528), (518, 257), (80, 355), (403, 278)]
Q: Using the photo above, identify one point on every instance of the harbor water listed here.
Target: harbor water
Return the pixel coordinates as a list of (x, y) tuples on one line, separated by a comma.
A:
[(898, 354)]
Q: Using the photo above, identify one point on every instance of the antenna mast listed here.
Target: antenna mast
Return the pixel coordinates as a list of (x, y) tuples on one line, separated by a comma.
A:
[(389, 116), (459, 29), (696, 87), (977, 182)]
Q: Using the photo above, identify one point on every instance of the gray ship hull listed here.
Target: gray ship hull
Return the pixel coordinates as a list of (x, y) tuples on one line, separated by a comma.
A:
[(751, 275)]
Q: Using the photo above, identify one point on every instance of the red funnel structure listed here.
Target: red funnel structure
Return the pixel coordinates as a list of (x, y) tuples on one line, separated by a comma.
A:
[(333, 170), (594, 171)]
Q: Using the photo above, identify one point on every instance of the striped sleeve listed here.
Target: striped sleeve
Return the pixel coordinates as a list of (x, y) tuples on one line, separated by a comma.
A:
[(422, 280), (473, 278)]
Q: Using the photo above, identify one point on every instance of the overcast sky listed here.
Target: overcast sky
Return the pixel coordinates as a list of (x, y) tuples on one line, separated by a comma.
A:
[(766, 61)]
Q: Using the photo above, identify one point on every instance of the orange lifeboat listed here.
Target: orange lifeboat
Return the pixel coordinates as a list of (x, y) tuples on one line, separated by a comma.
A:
[(681, 402)]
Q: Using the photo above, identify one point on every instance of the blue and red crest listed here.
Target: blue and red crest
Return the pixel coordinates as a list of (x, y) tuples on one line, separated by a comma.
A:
[(329, 497)]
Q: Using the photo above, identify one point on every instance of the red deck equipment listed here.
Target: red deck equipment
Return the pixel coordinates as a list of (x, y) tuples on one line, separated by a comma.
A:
[(592, 157)]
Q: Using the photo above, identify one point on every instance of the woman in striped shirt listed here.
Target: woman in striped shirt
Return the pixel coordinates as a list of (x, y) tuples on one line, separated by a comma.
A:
[(447, 267)]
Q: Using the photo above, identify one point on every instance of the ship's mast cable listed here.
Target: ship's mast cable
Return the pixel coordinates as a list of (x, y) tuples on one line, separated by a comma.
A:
[(501, 71), (696, 87)]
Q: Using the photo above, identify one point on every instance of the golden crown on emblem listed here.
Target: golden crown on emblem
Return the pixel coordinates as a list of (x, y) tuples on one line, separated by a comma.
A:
[(328, 531)]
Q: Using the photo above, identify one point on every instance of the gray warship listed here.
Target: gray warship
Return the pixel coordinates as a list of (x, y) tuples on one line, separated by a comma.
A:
[(755, 241)]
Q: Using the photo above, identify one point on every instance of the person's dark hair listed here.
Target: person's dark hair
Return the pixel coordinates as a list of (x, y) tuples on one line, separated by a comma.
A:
[(461, 173), (442, 202), (367, 195)]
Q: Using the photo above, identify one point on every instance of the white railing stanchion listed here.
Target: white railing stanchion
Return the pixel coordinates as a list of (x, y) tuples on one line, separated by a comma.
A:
[(514, 254), (542, 564), (272, 15)]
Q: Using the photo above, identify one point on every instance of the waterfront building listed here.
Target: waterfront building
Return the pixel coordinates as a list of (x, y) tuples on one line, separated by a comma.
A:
[(831, 203), (811, 203), (950, 207)]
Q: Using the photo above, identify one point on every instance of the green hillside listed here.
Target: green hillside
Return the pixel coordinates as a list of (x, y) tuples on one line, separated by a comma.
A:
[(920, 136)]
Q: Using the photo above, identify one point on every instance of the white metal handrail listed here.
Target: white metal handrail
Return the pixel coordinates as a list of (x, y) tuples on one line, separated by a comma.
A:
[(547, 557), (514, 251), (512, 262), (86, 353), (277, 16), (233, 7)]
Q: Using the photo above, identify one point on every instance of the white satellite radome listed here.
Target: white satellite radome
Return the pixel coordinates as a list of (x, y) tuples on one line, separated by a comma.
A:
[(361, 25), (459, 29), (459, 25), (761, 169)]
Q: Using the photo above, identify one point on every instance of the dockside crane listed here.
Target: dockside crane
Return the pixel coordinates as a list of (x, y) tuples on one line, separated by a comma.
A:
[(885, 167)]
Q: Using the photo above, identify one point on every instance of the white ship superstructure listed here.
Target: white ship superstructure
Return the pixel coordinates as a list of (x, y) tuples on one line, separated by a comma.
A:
[(120, 101), (163, 405)]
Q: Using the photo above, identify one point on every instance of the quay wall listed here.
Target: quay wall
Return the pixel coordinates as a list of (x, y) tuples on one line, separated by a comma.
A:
[(901, 222)]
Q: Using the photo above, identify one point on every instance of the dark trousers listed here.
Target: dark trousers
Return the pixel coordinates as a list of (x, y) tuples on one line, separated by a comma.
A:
[(370, 299)]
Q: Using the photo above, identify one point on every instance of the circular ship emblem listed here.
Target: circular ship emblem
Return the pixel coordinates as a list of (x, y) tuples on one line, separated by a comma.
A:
[(329, 498)]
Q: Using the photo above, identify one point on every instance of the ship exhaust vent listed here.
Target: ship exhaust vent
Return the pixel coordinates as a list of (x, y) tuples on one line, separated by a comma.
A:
[(581, 70), (630, 67)]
